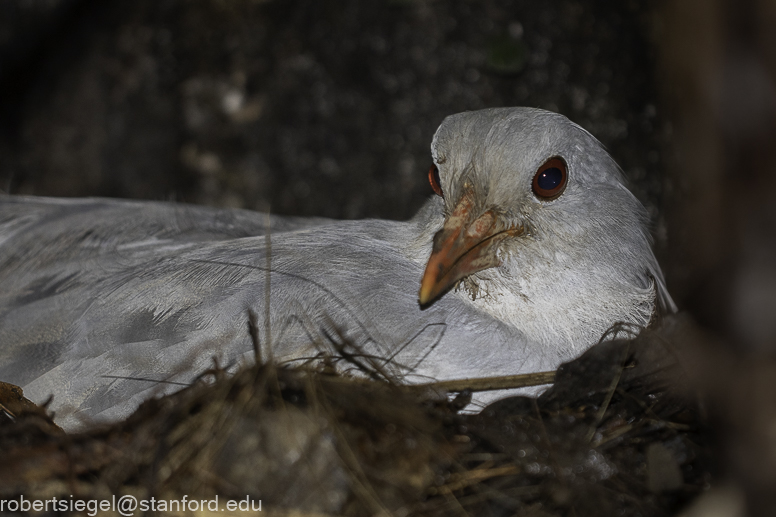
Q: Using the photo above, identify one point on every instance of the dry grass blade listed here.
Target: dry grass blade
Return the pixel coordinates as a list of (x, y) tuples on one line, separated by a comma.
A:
[(504, 382)]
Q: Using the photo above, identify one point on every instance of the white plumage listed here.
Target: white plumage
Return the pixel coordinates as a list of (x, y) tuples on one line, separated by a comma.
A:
[(99, 299)]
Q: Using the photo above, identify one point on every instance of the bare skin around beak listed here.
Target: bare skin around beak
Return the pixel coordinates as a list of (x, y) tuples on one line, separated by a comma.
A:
[(462, 247)]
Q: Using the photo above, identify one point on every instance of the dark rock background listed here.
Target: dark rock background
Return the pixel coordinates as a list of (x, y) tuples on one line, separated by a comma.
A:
[(311, 107)]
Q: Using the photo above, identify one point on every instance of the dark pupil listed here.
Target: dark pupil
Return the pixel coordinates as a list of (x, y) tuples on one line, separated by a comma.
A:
[(549, 178)]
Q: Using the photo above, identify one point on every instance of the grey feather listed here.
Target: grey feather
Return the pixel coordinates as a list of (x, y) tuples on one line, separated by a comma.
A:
[(101, 299)]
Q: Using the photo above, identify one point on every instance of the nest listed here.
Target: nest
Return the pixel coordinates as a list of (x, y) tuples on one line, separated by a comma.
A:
[(616, 434)]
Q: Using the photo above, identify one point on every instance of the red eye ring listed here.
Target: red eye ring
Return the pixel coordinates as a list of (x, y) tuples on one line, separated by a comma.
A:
[(433, 178), (550, 180)]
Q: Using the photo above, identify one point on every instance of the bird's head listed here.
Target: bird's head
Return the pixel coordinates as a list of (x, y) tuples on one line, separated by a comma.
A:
[(538, 228)]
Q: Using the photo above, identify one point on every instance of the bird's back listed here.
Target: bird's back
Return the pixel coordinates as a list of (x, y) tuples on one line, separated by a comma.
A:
[(104, 302)]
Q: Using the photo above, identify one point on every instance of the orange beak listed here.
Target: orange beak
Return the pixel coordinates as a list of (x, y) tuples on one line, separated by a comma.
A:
[(461, 248)]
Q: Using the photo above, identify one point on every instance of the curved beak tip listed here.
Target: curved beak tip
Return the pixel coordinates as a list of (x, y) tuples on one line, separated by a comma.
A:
[(461, 248), (426, 294)]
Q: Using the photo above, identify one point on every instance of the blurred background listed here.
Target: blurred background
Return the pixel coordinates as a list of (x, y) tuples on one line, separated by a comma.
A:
[(312, 107), (327, 108)]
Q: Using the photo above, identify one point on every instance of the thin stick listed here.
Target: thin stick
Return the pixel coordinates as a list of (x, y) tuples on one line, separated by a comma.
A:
[(610, 393), (504, 382)]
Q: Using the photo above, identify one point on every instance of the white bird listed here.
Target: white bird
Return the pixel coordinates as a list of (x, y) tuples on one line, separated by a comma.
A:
[(531, 249)]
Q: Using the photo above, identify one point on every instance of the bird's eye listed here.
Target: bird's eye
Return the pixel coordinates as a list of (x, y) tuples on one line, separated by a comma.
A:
[(433, 178), (550, 180)]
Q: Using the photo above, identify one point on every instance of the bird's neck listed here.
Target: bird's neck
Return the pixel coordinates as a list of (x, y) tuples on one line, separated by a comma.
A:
[(564, 310)]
